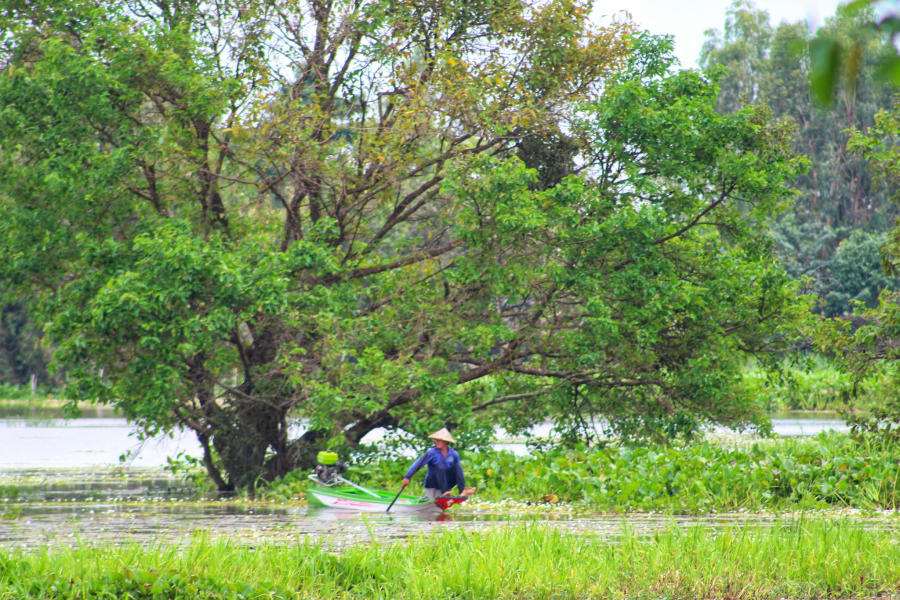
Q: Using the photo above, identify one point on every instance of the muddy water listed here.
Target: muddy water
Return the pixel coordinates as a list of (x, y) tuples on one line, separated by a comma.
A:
[(62, 483), (85, 517), (41, 508)]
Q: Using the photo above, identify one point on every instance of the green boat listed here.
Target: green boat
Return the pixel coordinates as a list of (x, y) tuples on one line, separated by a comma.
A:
[(350, 496)]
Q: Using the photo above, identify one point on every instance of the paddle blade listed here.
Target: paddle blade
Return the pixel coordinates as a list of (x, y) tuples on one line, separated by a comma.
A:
[(388, 509)]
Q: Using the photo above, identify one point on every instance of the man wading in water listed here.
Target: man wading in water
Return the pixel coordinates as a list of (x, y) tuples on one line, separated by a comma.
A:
[(444, 467)]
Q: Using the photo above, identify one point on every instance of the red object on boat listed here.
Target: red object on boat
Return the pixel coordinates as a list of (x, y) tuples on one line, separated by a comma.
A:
[(446, 502)]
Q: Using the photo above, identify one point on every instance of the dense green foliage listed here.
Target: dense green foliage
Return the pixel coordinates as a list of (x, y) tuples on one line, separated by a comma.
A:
[(856, 276), (247, 208), (835, 60), (872, 349), (820, 388), (226, 216), (809, 558), (21, 352), (814, 383), (829, 471), (840, 211), (15, 392)]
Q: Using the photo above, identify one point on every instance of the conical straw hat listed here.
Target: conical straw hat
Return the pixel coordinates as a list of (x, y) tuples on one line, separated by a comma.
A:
[(442, 434)]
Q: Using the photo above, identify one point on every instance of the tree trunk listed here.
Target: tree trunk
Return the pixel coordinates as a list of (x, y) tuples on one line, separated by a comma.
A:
[(243, 440), (300, 454)]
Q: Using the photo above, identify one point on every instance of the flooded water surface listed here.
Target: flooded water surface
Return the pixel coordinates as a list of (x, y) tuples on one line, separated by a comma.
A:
[(147, 506), (91, 480), (144, 506), (42, 438)]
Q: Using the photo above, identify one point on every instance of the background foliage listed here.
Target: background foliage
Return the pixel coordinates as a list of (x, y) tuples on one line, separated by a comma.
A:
[(840, 214)]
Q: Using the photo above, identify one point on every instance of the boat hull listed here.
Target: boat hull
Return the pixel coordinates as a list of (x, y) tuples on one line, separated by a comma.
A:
[(348, 498)]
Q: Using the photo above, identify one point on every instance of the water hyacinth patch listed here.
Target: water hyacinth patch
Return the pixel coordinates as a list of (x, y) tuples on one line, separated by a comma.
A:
[(828, 471)]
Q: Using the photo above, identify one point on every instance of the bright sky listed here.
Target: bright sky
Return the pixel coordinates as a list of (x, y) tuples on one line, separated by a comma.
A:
[(688, 19)]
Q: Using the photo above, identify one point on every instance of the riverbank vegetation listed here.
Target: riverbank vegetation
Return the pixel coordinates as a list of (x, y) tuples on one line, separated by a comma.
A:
[(12, 393), (811, 382), (826, 472), (807, 558)]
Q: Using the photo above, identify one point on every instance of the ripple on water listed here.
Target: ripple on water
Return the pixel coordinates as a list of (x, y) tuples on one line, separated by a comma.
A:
[(148, 506)]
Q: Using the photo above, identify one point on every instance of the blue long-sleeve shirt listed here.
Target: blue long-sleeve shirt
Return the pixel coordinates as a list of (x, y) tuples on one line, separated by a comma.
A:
[(443, 473)]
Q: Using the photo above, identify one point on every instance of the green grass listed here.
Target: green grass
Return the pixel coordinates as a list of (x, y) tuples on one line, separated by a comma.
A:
[(812, 558)]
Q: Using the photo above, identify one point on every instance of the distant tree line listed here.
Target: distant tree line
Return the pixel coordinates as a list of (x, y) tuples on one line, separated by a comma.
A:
[(833, 234)]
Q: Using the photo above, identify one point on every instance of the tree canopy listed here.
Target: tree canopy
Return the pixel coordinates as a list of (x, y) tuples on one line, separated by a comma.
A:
[(22, 355), (384, 214)]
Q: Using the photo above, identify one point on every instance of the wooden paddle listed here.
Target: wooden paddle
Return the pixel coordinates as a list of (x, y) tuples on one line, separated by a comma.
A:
[(403, 487)]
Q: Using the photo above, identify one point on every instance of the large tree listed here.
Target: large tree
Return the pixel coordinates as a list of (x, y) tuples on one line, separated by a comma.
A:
[(232, 215)]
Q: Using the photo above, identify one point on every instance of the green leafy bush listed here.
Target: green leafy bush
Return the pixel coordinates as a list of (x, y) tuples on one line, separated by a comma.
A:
[(9, 391)]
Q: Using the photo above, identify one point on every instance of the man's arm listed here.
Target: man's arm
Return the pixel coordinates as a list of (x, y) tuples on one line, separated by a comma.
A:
[(416, 466)]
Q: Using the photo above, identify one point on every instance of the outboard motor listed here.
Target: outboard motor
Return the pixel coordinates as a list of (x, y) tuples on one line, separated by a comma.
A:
[(329, 468)]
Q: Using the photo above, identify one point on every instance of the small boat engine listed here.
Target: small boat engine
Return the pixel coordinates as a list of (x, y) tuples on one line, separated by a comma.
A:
[(329, 468)]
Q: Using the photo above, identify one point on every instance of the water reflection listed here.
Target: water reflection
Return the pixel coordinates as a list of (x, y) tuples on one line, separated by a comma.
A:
[(95, 485), (43, 525), (331, 514), (86, 442)]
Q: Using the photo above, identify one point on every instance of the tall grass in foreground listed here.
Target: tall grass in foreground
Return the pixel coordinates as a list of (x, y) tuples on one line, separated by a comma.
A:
[(790, 559)]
